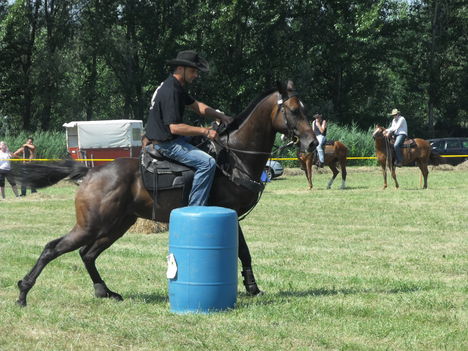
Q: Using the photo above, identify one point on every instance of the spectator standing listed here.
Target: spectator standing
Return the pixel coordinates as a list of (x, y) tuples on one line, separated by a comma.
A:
[(28, 152), (5, 170)]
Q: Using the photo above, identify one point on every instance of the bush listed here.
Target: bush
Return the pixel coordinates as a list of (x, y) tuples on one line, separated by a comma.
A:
[(49, 144)]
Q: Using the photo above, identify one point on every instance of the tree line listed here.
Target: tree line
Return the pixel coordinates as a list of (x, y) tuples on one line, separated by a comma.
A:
[(353, 61)]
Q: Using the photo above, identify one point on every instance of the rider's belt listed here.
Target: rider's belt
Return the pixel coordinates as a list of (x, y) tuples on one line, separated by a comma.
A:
[(160, 141)]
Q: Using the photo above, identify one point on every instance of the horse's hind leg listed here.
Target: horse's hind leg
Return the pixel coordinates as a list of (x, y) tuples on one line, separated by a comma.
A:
[(344, 173), (247, 272), (90, 253), (425, 172), (73, 240), (335, 173)]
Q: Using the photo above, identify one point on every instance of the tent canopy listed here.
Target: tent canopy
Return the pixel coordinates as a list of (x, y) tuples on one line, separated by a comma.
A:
[(104, 134)]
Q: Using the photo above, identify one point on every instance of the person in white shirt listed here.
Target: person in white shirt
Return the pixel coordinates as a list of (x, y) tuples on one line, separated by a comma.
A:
[(5, 170), (400, 129), (319, 126)]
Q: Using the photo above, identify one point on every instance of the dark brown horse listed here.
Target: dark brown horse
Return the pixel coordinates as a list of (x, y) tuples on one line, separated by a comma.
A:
[(112, 196), (422, 154), (334, 155)]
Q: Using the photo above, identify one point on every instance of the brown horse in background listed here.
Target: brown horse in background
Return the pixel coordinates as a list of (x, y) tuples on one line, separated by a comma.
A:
[(422, 154), (335, 154), (112, 196)]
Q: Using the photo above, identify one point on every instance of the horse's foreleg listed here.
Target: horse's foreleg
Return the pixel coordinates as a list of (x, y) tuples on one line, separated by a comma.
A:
[(309, 172), (51, 251), (307, 164), (394, 176), (90, 253), (247, 272), (384, 172), (335, 173)]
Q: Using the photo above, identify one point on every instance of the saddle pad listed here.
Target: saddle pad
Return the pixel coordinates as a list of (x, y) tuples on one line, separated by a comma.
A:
[(168, 180), (406, 144)]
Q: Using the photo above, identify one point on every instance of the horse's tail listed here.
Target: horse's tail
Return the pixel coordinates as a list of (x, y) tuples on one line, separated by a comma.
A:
[(434, 158), (43, 175)]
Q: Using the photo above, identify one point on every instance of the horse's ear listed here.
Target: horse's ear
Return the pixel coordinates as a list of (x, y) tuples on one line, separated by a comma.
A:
[(282, 88)]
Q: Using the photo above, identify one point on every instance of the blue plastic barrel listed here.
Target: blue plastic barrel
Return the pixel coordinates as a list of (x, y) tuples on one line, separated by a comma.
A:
[(203, 242)]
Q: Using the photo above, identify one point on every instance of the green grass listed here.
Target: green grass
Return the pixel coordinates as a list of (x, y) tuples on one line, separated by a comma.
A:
[(358, 269)]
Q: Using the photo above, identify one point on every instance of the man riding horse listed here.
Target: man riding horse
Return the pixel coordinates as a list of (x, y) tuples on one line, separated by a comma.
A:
[(400, 129), (167, 131)]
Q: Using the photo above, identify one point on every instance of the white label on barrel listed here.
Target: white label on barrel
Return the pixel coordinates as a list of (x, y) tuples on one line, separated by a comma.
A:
[(171, 266)]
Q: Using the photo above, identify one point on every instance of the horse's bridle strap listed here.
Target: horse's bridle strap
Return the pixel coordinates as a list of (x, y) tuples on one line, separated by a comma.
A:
[(281, 107), (227, 147)]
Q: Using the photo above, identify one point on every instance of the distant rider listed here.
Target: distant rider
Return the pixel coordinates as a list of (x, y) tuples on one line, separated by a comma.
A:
[(319, 126), (400, 129)]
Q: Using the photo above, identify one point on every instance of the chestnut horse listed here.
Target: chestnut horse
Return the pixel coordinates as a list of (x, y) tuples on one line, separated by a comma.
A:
[(112, 196), (334, 154), (422, 154)]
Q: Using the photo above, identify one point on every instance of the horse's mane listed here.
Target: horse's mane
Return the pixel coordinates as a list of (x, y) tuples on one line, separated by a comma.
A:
[(241, 117)]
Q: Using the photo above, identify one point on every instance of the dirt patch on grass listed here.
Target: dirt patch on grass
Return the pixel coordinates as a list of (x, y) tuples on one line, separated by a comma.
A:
[(443, 167), (148, 226), (462, 166)]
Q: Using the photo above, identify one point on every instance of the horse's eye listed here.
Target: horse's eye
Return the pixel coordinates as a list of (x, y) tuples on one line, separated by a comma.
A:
[(296, 111)]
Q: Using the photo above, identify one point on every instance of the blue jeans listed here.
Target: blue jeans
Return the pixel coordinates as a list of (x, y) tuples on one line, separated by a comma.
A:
[(321, 154), (204, 165), (398, 142)]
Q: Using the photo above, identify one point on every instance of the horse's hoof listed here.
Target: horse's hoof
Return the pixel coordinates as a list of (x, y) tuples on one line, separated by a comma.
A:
[(21, 303), (115, 296), (102, 291), (255, 292)]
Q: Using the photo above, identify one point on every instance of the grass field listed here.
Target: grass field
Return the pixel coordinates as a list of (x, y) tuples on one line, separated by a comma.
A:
[(359, 269)]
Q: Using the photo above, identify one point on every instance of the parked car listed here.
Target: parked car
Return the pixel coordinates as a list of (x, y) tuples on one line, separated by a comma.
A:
[(451, 146), (273, 169)]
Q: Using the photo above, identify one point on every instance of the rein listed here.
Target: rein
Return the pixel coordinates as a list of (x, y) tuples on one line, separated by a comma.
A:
[(249, 182), (388, 151)]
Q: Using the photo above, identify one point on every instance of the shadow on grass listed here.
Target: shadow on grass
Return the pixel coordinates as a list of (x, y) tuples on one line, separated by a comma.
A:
[(149, 298), (351, 291), (245, 300), (352, 187)]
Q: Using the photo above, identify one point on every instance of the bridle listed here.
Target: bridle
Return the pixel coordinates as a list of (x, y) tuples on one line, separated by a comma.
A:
[(248, 180), (289, 127)]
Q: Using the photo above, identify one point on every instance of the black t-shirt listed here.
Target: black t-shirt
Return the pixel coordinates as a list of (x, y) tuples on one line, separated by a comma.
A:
[(167, 107)]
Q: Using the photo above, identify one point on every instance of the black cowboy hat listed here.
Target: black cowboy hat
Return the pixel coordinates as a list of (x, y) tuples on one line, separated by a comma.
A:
[(190, 58)]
